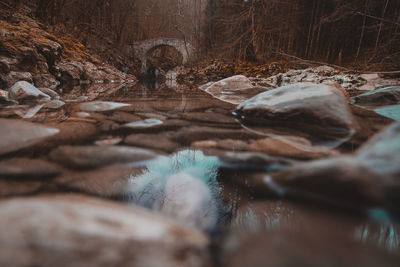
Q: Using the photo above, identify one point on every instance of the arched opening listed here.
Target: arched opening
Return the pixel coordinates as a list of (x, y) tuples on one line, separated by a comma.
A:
[(163, 58)]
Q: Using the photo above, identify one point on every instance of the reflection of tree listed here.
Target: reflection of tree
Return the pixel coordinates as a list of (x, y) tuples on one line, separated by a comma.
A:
[(168, 180), (385, 235), (263, 216)]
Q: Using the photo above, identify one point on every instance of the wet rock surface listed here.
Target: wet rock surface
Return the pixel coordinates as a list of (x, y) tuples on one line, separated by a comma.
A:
[(95, 156), (313, 108)]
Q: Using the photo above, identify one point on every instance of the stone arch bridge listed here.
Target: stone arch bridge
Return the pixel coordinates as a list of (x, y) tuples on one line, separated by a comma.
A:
[(144, 48)]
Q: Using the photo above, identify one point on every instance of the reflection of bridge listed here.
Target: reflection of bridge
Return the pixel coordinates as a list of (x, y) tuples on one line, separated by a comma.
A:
[(144, 48)]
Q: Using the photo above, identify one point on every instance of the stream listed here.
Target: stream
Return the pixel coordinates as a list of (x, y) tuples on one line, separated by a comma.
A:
[(203, 177)]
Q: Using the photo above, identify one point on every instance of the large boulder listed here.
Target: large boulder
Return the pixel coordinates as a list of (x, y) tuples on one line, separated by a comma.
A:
[(73, 230), (24, 91), (313, 108)]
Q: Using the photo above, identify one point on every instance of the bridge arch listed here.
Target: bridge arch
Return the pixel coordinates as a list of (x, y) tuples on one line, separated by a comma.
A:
[(144, 48)]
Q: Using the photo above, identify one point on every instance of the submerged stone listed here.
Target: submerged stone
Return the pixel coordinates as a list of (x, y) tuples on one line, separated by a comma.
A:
[(28, 168), (99, 106), (99, 156), (147, 123), (75, 230), (289, 146), (16, 134)]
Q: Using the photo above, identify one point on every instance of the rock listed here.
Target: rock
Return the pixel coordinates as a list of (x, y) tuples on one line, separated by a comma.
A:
[(164, 143), (45, 80), (147, 123), (83, 231), (5, 64), (96, 156), (381, 97), (4, 100), (209, 117), (188, 135), (73, 132), (124, 117), (14, 77), (328, 75), (99, 106), (108, 181), (49, 92), (108, 141), (235, 89), (367, 179), (30, 112), (313, 108), (68, 72), (226, 144), (249, 160), (106, 126), (234, 82), (16, 134), (24, 91), (289, 146), (54, 104), (27, 168), (13, 188)]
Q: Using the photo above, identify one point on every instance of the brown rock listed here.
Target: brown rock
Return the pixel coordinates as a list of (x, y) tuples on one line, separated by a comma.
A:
[(28, 168), (289, 146), (73, 230), (96, 156)]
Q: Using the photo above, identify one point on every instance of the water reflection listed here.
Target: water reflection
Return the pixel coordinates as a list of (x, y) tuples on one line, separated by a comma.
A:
[(283, 217), (384, 234), (183, 186)]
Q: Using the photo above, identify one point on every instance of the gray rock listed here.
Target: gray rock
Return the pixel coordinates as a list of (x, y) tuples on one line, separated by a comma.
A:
[(313, 108), (73, 230), (98, 106), (69, 72), (381, 97), (16, 134), (24, 91), (4, 100), (369, 178), (28, 168), (14, 77), (53, 94), (235, 89), (54, 104), (96, 156)]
